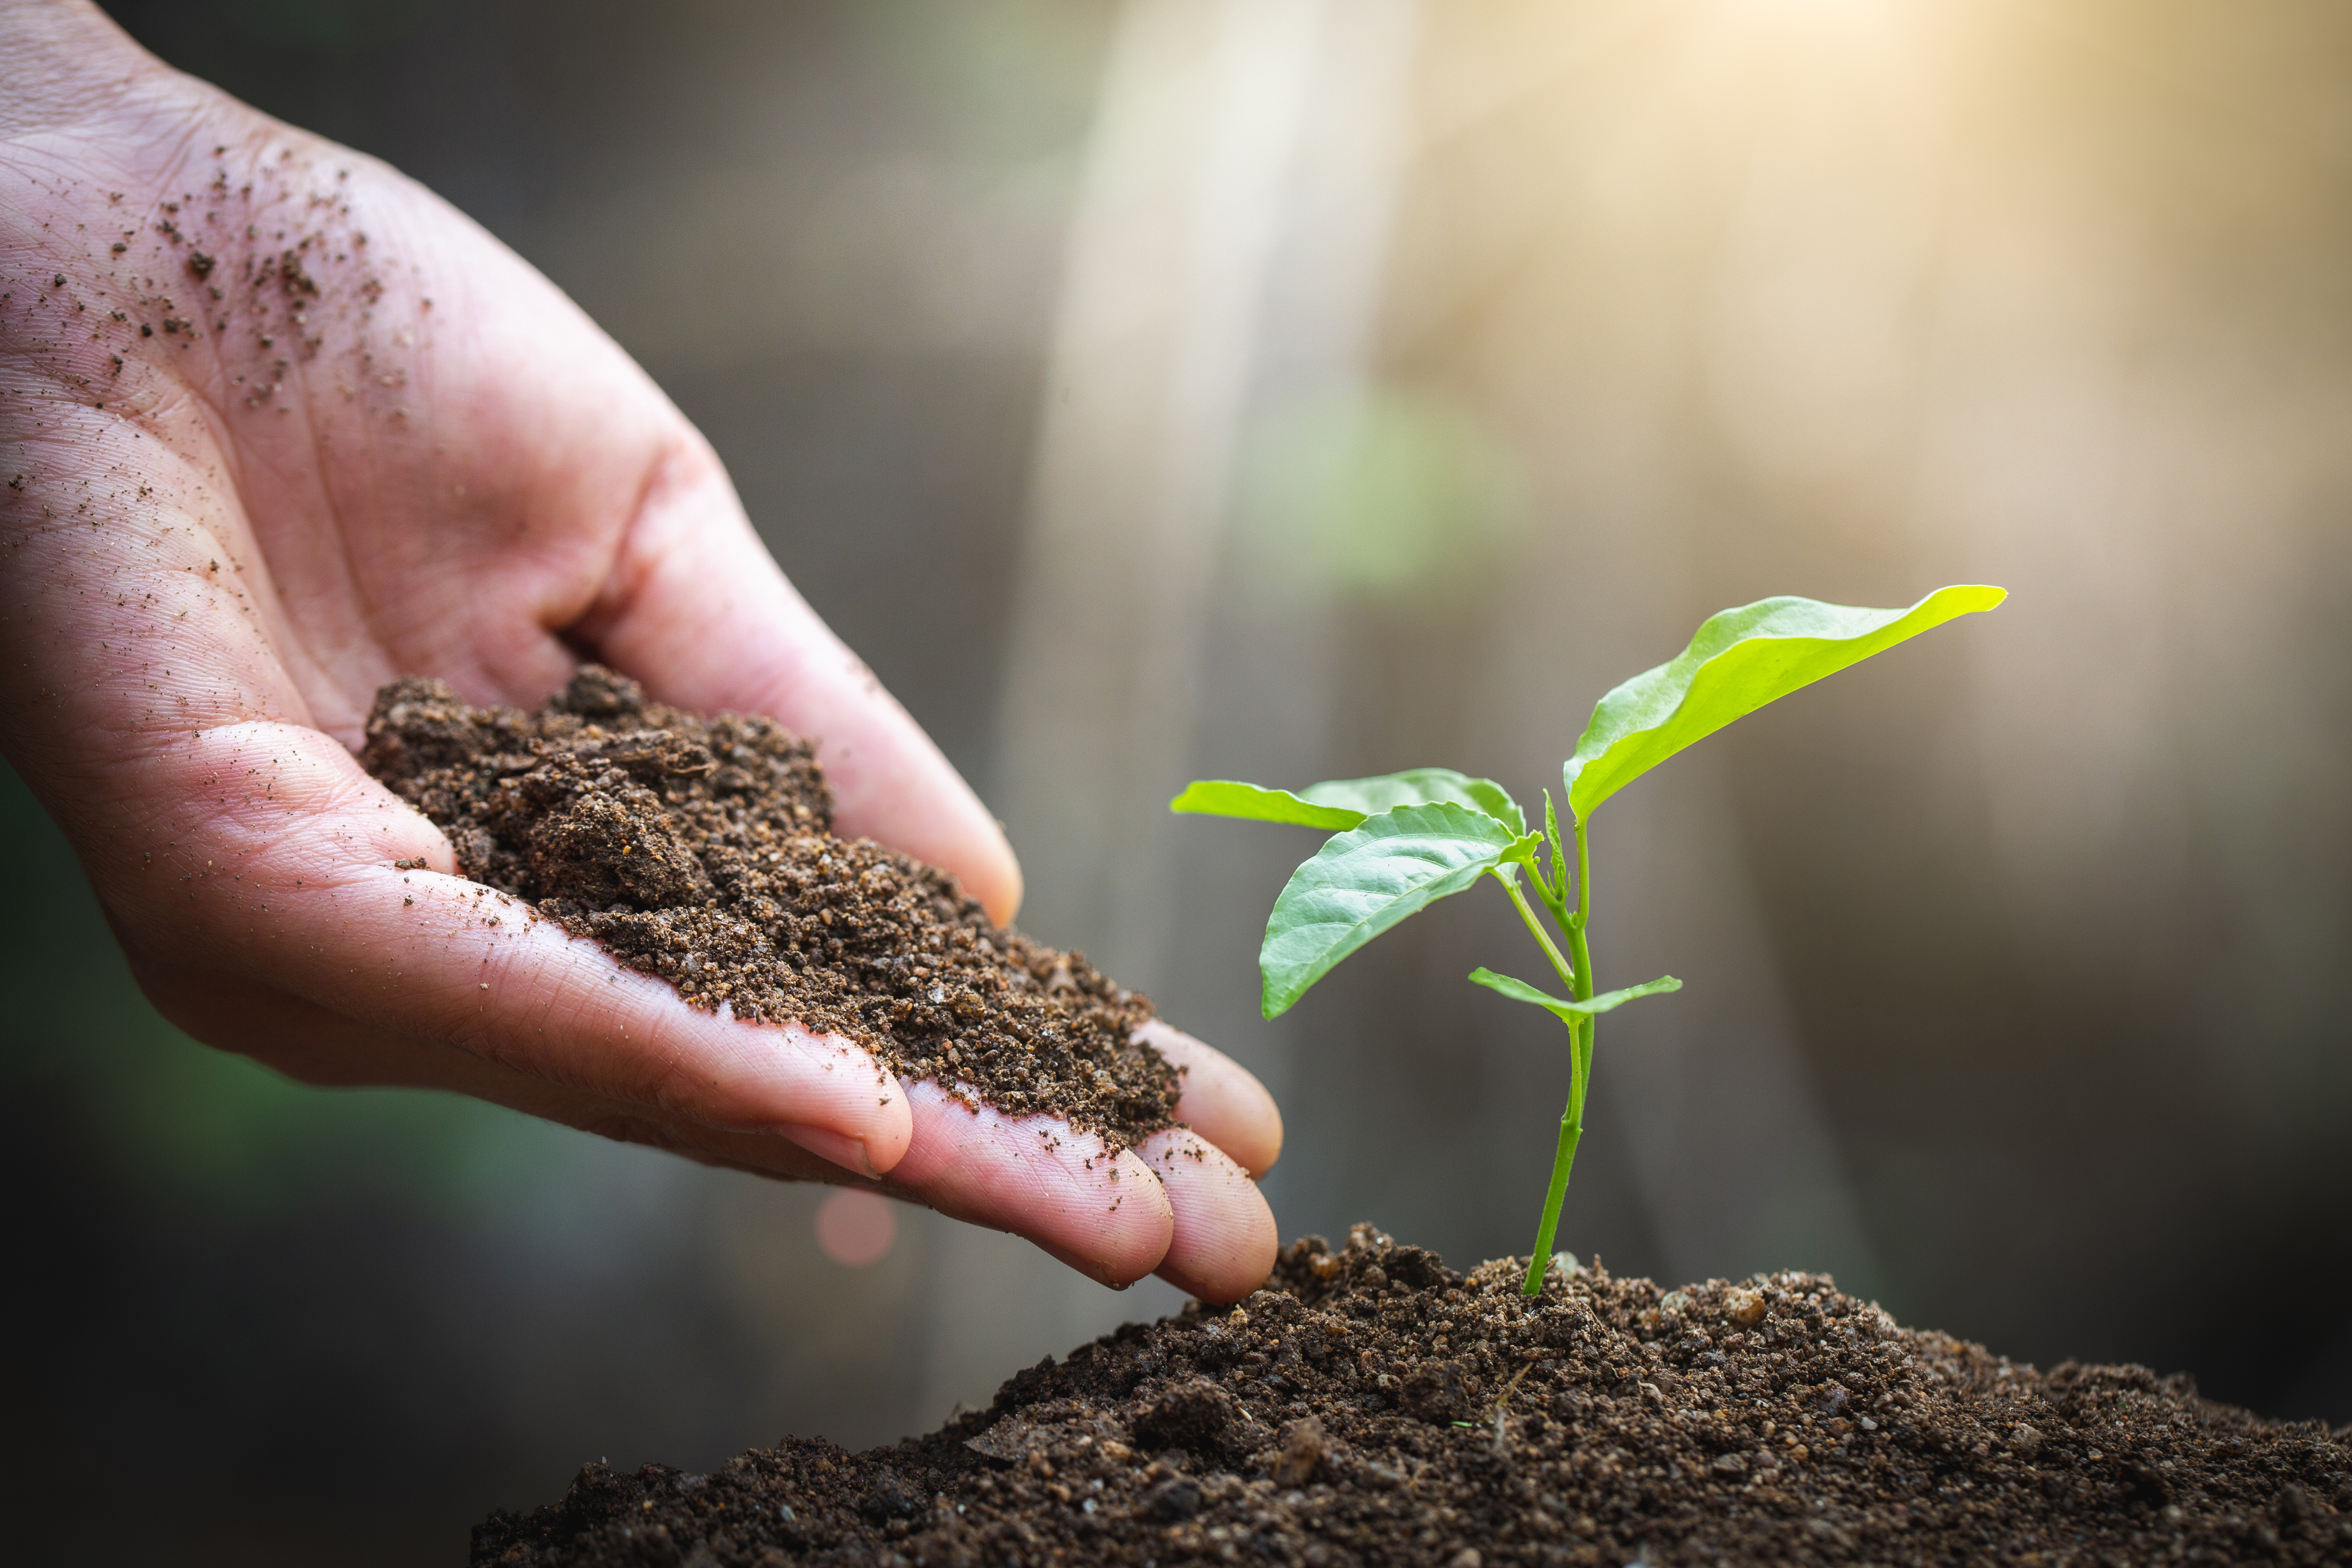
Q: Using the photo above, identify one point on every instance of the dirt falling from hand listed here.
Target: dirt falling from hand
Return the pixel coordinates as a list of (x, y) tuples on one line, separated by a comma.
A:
[(701, 849)]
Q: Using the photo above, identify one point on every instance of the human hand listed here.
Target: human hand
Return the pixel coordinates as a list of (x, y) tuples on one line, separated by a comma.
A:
[(279, 425)]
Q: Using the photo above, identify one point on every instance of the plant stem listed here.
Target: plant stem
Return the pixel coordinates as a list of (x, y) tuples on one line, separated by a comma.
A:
[(1571, 1120), (1571, 1132), (1556, 900), (1566, 970)]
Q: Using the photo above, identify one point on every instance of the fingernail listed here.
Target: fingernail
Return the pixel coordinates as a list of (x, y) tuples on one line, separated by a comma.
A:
[(843, 1150)]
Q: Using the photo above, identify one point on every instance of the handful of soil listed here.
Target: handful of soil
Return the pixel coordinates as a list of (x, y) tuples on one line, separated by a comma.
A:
[(1373, 1406), (701, 849)]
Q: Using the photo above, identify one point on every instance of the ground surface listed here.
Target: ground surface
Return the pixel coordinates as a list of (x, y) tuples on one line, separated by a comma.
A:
[(701, 849), (1371, 1407)]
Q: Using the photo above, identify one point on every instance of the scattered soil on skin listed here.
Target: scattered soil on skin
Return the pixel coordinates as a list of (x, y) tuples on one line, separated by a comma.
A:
[(702, 850), (1372, 1406)]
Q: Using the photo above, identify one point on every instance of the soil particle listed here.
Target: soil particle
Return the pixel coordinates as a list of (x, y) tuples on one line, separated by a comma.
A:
[(1605, 1423), (702, 850)]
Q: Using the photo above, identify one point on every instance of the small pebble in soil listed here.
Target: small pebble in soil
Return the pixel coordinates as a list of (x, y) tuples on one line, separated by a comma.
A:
[(1320, 1424)]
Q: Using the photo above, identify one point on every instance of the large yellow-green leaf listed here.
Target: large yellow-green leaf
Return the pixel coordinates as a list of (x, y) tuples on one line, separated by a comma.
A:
[(1346, 803), (1739, 660), (1364, 881)]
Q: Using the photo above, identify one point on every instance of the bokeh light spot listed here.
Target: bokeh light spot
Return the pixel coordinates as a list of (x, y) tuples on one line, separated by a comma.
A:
[(855, 1228)]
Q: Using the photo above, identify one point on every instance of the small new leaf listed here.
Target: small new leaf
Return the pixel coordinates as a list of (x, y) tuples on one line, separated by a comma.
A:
[(1559, 856), (1343, 803), (1567, 1011), (1364, 881), (1740, 661)]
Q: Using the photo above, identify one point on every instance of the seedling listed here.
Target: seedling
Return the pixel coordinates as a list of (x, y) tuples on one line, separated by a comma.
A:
[(1405, 840)]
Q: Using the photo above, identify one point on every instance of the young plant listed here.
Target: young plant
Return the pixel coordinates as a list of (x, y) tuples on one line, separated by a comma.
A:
[(1405, 840)]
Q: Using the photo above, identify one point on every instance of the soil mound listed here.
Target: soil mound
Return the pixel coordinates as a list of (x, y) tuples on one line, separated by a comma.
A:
[(1373, 1406), (701, 849)]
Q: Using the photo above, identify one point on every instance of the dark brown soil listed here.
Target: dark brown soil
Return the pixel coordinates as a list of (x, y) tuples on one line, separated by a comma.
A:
[(1372, 1406), (702, 850)]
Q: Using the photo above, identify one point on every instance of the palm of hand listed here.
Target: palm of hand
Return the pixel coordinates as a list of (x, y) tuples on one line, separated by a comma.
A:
[(310, 429)]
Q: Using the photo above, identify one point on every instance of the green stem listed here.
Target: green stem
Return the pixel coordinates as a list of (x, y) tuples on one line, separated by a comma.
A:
[(1556, 900), (1571, 1120), (1571, 1131), (1566, 970)]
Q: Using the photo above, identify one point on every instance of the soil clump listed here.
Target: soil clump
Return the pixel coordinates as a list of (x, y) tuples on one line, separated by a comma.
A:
[(701, 849), (1371, 1405)]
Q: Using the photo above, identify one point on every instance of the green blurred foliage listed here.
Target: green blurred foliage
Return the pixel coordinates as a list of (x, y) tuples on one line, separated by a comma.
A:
[(1381, 495), (1011, 76)]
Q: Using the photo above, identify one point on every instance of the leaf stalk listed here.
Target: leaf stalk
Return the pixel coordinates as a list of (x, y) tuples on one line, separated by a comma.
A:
[(1562, 966)]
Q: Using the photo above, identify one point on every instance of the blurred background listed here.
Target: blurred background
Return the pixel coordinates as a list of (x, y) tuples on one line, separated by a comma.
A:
[(1289, 389)]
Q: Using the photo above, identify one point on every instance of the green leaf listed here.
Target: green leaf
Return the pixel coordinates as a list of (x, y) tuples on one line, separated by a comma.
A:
[(1420, 786), (1364, 881), (1229, 797), (1567, 1011), (1346, 803), (1740, 661)]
